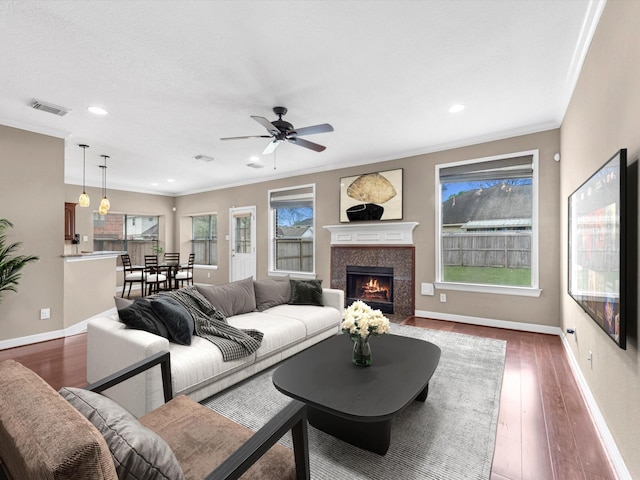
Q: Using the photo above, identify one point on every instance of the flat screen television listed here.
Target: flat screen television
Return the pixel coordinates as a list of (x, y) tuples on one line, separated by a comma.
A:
[(598, 247)]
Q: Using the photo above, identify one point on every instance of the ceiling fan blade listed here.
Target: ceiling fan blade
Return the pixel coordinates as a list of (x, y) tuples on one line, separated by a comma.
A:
[(307, 144), (247, 136), (323, 128), (271, 128), (271, 147)]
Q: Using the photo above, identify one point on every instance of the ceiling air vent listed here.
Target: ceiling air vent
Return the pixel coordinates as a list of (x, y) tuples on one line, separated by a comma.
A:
[(50, 108), (204, 158)]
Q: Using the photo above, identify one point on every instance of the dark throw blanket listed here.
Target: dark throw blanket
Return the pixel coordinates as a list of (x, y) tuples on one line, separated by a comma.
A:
[(212, 325)]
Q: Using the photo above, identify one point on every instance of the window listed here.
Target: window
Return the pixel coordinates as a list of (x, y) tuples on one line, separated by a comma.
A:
[(135, 234), (204, 243), (487, 224), (291, 223)]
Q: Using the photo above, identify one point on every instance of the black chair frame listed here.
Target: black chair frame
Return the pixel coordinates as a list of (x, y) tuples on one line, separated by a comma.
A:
[(292, 417)]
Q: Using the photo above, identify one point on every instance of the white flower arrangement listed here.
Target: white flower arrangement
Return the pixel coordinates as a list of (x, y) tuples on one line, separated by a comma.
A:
[(361, 319)]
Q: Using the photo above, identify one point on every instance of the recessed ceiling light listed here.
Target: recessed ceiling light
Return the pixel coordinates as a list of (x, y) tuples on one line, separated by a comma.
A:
[(154, 184), (170, 180), (255, 162), (97, 110), (456, 108)]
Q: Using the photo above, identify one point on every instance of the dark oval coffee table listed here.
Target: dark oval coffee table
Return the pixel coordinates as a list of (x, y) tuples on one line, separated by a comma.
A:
[(356, 404)]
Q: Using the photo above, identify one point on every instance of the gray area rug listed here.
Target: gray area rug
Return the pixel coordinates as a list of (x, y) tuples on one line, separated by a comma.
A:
[(449, 437)]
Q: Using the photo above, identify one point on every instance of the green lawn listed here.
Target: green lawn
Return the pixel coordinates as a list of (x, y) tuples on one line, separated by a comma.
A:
[(515, 277)]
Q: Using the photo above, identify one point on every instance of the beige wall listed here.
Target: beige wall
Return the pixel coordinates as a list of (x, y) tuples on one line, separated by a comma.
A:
[(419, 206), (604, 116), (32, 197)]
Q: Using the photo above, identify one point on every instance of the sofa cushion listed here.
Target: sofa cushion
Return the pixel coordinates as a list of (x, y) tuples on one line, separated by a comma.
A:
[(278, 332), (42, 436), (200, 364), (138, 453), (232, 298), (175, 317), (315, 319), (271, 292), (306, 292), (140, 315), (202, 439)]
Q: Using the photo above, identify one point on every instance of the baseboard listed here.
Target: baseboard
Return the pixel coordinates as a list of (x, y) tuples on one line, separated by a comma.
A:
[(133, 288), (74, 329), (489, 322), (601, 425)]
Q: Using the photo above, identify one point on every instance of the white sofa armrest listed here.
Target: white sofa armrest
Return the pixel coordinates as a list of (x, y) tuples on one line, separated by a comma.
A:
[(333, 298), (112, 346)]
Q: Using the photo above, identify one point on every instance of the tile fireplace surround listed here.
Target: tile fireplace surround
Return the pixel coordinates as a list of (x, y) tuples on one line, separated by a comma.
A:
[(377, 250)]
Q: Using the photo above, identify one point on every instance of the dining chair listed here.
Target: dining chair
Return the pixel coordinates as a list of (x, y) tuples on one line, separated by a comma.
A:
[(131, 274), (186, 273), (172, 258), (172, 264), (152, 274)]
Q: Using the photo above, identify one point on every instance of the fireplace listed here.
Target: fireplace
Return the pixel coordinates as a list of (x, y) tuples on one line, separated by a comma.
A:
[(401, 258), (372, 285)]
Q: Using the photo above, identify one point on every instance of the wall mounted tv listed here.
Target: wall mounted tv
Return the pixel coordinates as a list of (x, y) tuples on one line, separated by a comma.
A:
[(598, 247)]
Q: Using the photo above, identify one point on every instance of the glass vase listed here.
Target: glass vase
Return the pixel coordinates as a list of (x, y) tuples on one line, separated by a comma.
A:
[(361, 351)]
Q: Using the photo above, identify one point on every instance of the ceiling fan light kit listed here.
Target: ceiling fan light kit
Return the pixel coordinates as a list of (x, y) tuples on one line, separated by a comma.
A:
[(282, 131)]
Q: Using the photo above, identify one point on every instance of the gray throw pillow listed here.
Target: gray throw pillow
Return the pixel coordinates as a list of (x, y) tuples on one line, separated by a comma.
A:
[(232, 298), (140, 315), (272, 292), (306, 292), (122, 302), (138, 453), (175, 317)]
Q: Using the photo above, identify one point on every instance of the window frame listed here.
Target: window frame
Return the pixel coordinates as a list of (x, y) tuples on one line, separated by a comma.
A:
[(210, 215), (273, 271), (529, 291)]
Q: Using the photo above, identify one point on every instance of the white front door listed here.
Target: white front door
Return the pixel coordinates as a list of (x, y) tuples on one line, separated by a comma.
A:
[(242, 245)]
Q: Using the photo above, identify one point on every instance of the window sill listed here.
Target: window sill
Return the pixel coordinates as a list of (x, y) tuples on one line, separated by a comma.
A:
[(294, 275), (206, 267), (495, 289)]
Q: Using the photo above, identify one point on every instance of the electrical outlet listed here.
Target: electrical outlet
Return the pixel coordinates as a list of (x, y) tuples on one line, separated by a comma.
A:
[(443, 297), (85, 238), (208, 274), (590, 358), (45, 313)]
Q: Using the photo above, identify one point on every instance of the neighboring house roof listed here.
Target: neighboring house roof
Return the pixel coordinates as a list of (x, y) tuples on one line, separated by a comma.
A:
[(295, 231), (501, 202)]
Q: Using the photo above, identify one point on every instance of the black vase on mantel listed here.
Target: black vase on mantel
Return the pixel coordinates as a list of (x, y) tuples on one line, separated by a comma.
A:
[(365, 211)]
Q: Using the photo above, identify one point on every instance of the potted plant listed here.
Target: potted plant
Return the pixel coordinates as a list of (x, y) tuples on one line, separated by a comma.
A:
[(10, 264)]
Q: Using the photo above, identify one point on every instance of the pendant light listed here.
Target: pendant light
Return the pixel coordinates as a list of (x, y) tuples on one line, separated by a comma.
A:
[(105, 205), (84, 199)]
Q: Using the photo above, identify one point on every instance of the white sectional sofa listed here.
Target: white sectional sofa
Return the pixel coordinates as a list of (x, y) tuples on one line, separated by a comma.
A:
[(198, 369)]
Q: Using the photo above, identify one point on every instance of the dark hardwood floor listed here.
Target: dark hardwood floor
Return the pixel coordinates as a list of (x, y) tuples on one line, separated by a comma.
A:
[(545, 431)]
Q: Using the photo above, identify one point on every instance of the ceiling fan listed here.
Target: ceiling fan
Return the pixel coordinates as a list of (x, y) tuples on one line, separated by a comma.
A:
[(281, 130)]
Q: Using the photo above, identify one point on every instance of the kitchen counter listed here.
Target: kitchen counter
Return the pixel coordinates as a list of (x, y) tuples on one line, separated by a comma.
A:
[(70, 257)]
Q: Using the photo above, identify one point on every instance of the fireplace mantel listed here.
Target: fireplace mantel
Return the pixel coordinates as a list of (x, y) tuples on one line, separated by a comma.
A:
[(383, 233)]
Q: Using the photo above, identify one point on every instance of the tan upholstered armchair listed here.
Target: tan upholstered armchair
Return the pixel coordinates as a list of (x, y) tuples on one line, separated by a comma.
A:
[(42, 435)]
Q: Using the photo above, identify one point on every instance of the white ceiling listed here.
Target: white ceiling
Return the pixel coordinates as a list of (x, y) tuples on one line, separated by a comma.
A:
[(175, 76)]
